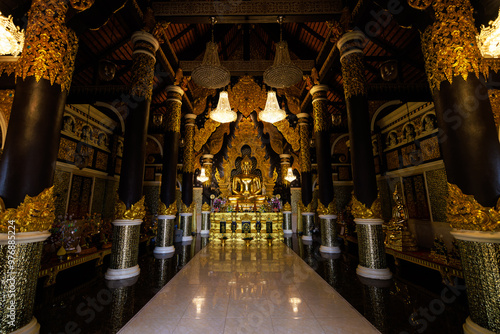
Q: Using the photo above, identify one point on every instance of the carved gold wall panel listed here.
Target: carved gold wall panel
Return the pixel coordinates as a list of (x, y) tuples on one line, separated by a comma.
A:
[(275, 137), (291, 135), (247, 96), (202, 135), (217, 138)]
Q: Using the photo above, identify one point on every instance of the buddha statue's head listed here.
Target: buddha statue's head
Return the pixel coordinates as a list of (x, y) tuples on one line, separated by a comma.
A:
[(246, 165)]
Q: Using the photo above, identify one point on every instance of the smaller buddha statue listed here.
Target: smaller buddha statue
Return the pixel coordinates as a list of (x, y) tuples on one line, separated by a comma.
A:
[(398, 236), (246, 187)]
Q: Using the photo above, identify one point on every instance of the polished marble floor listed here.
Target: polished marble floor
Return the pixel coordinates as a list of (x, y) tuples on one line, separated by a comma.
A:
[(82, 301), (255, 289)]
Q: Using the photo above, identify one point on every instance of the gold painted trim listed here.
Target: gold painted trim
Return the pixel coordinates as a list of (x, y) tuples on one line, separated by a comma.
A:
[(187, 209), (206, 207), (33, 214), (306, 208), (463, 212), (136, 211)]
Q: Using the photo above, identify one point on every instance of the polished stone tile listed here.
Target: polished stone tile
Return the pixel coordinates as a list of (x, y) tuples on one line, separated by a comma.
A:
[(200, 326), (145, 324), (260, 325), (296, 326), (346, 326)]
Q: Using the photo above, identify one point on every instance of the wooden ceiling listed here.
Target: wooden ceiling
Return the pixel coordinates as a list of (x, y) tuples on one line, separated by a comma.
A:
[(241, 37)]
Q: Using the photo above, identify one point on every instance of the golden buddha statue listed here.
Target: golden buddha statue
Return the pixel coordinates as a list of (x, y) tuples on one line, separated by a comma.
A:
[(246, 187)]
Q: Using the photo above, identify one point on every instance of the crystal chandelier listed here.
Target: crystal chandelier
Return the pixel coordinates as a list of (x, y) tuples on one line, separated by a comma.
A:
[(223, 112), (489, 39), (210, 74), (283, 73), (202, 177), (11, 37), (272, 113), (289, 175)]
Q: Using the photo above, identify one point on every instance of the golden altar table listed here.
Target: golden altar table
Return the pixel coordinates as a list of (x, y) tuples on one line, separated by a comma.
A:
[(239, 225)]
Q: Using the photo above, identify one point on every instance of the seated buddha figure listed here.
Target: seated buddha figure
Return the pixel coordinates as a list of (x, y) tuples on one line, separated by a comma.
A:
[(246, 186)]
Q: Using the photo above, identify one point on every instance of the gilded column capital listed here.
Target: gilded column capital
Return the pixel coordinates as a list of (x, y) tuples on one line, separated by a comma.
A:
[(50, 46), (143, 62), (174, 108), (360, 211), (463, 212), (305, 155), (188, 166), (306, 208), (136, 211), (33, 214), (351, 59), (330, 209), (320, 108), (449, 44)]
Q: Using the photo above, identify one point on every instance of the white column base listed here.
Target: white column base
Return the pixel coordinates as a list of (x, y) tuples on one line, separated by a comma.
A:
[(205, 232), (33, 327), (307, 238), (287, 232), (115, 274), (470, 327), (163, 255), (187, 238), (332, 250), (164, 250), (374, 273)]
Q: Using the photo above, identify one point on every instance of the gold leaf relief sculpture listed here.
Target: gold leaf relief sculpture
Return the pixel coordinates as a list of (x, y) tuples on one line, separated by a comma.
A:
[(206, 207), (142, 75), (136, 211), (50, 47), (202, 135), (360, 211), (291, 135), (306, 208), (449, 44), (171, 210), (465, 213), (353, 75), (330, 209), (247, 96), (287, 207), (187, 209), (33, 214)]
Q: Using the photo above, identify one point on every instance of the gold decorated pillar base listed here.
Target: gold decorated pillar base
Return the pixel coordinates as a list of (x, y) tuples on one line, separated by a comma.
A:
[(480, 254), (19, 267), (165, 235), (125, 249), (186, 219), (287, 222), (329, 242), (307, 225), (205, 220), (372, 260)]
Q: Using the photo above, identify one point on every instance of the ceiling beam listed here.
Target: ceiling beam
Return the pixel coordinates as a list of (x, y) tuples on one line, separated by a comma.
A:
[(294, 45), (311, 31), (182, 33), (255, 11), (251, 67)]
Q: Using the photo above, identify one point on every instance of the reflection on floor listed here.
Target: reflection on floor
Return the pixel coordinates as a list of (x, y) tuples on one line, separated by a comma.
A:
[(255, 289), (83, 302)]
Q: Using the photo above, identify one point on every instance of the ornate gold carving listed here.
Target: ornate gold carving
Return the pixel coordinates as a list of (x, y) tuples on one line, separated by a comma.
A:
[(420, 4), (202, 135), (247, 96), (173, 117), (8, 67), (336, 30), (292, 95), (353, 74), (359, 210), (275, 137), (187, 209), (81, 5), (465, 213), (188, 165), (491, 64), (33, 214), (136, 211), (449, 44), (291, 135), (246, 134), (305, 208), (305, 155), (50, 47), (287, 207), (163, 210), (331, 209), (142, 75), (206, 207), (159, 31), (217, 138)]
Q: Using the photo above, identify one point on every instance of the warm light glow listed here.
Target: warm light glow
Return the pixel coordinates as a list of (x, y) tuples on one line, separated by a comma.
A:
[(202, 177), (223, 112), (295, 304), (199, 303), (11, 37), (289, 175), (489, 39), (272, 113)]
